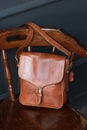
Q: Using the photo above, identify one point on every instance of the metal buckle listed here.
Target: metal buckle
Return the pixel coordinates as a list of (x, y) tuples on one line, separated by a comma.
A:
[(39, 95)]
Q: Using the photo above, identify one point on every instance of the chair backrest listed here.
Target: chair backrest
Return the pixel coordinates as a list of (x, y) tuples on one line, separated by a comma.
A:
[(14, 38)]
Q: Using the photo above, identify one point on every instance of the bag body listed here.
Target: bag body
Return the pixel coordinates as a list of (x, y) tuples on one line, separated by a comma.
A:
[(43, 79)]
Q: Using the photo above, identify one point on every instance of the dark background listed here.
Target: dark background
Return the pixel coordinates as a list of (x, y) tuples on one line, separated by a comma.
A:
[(70, 15)]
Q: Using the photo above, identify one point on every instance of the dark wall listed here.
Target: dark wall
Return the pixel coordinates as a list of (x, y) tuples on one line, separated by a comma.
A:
[(70, 15), (67, 14)]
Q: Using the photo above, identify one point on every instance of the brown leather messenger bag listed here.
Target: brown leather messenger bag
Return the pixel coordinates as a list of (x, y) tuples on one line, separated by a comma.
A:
[(44, 78)]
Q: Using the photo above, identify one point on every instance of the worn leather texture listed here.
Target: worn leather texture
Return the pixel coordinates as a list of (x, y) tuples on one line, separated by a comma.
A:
[(43, 79)]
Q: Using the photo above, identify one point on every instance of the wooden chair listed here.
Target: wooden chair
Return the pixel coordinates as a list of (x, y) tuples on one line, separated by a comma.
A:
[(13, 115)]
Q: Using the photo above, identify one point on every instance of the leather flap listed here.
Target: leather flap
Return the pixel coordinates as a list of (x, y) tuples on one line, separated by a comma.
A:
[(41, 69)]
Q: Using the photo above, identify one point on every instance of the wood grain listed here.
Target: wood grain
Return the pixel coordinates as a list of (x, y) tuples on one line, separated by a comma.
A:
[(14, 116), (67, 41)]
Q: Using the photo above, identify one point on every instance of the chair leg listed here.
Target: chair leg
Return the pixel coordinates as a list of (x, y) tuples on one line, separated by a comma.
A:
[(8, 75)]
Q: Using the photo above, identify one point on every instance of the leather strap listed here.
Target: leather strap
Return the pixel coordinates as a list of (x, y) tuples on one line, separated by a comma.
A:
[(49, 39), (32, 26), (26, 43)]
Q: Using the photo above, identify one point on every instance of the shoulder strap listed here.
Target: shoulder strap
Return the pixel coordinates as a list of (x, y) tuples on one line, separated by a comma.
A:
[(32, 26), (49, 39), (25, 44)]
